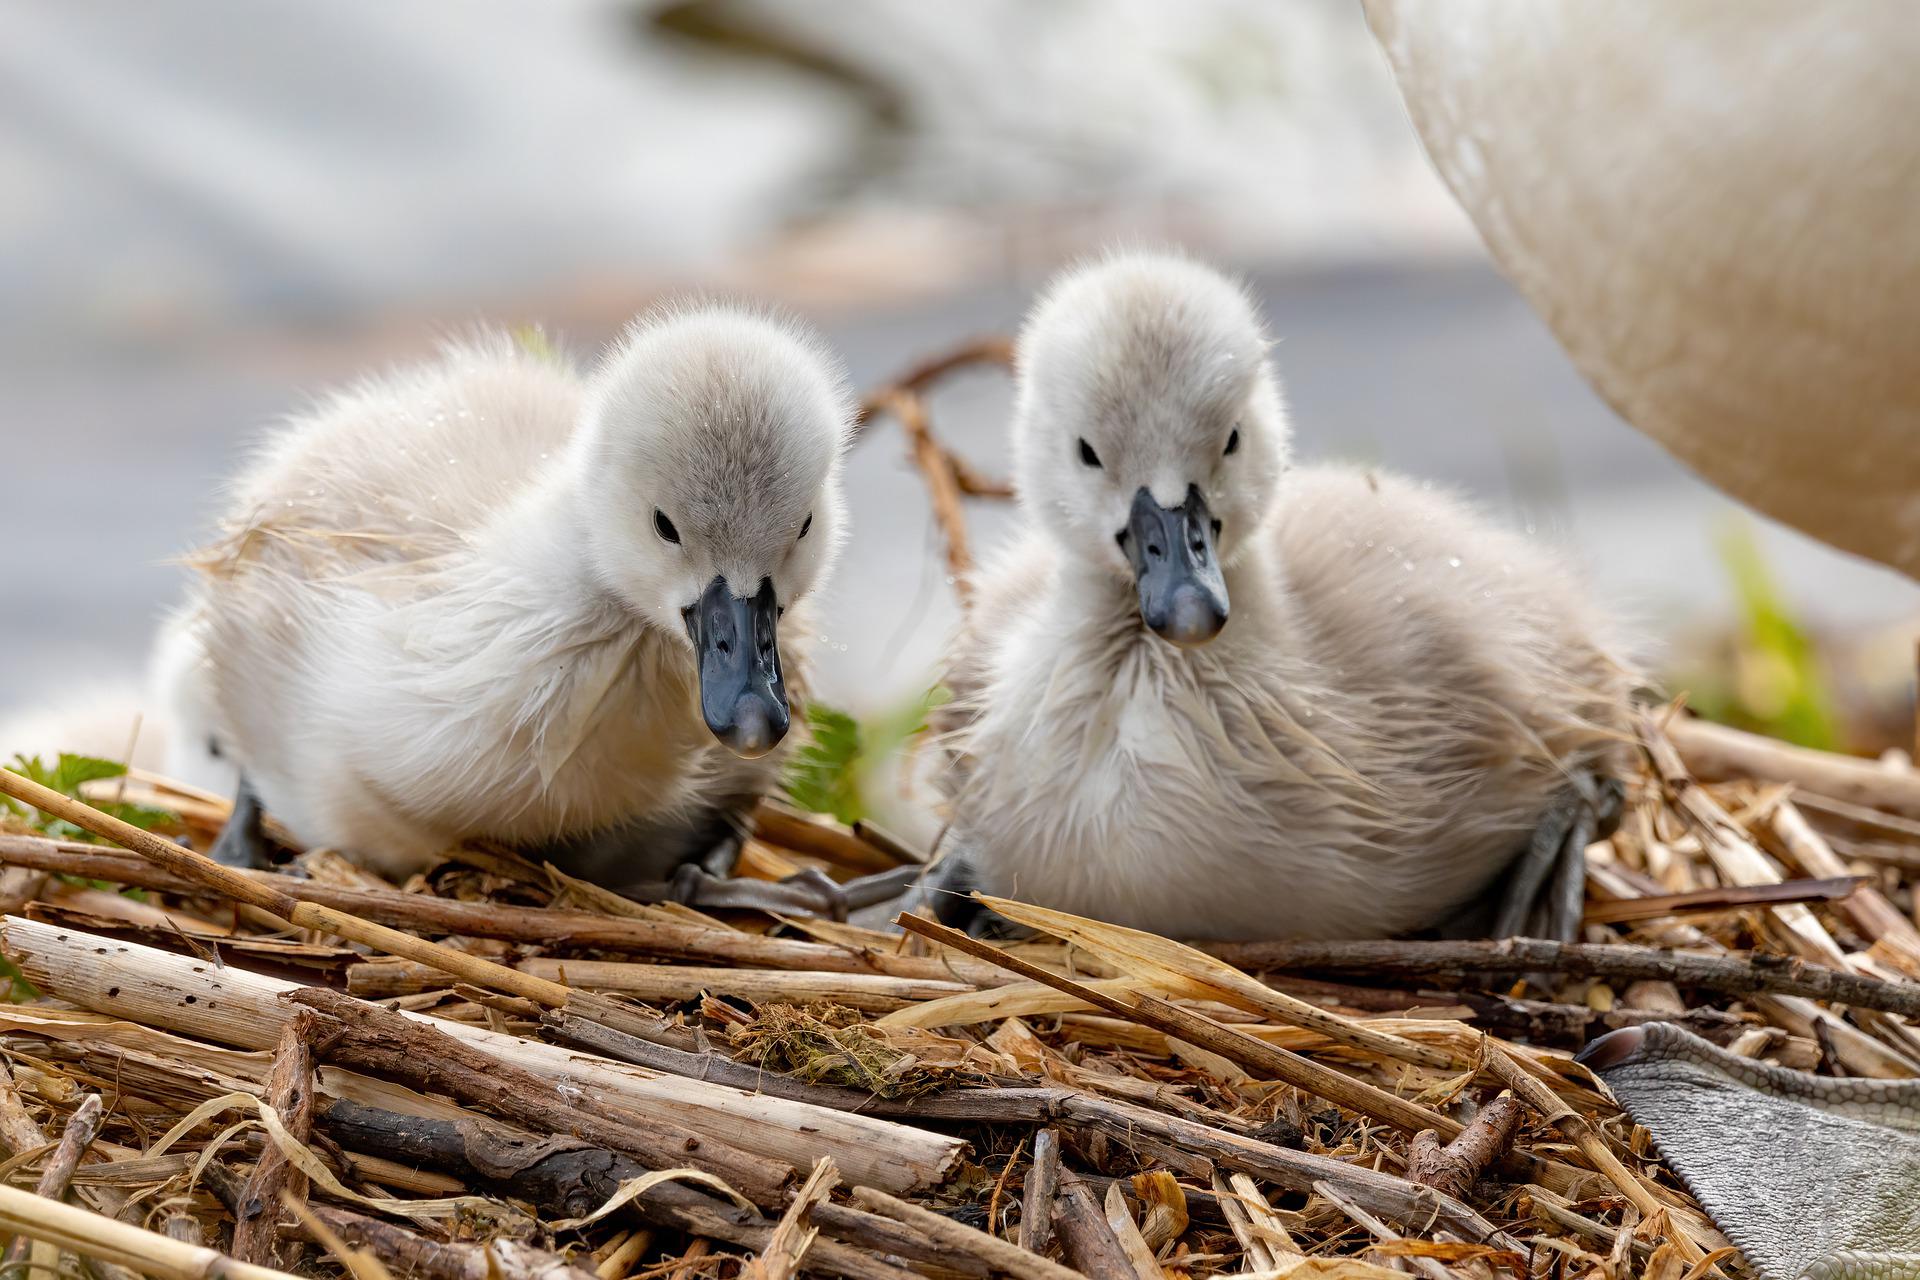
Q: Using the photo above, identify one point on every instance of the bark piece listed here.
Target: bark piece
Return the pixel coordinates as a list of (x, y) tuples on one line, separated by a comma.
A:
[(1452, 1168), (256, 1237), (1036, 1201), (235, 1007), (387, 1044), (969, 1242), (1086, 1240)]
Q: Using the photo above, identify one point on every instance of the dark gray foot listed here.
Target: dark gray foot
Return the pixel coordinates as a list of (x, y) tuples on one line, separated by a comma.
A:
[(692, 863), (242, 842), (1545, 889), (951, 888), (808, 893), (805, 893)]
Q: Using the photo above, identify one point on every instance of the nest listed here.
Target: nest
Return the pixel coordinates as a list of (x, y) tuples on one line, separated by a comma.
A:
[(495, 1071)]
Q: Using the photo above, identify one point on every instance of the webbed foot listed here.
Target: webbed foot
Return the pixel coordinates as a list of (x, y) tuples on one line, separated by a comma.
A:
[(242, 842), (1545, 889), (1812, 1176), (809, 893)]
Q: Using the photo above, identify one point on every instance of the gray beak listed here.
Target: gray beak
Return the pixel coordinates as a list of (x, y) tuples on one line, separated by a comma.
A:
[(742, 696), (1182, 595)]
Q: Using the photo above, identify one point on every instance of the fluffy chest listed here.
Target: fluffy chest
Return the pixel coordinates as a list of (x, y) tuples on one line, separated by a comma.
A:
[(1125, 739), (1211, 793)]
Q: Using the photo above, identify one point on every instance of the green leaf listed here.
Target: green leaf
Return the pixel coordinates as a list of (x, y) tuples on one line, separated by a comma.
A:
[(821, 776), (18, 989), (829, 773), (1774, 680), (73, 771), (68, 774)]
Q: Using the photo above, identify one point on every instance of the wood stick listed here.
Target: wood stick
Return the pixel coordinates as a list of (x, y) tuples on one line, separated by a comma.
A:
[(83, 1126), (1546, 1022), (1395, 1199), (542, 926), (94, 1235), (1836, 888), (780, 823), (690, 1267), (1262, 1222), (1259, 1255), (20, 1134), (780, 1259), (943, 488), (361, 1264), (1587, 1136), (208, 874), (1222, 982), (1758, 972), (1086, 1238), (233, 1006), (1727, 845), (703, 1065), (868, 992), (1037, 1197), (1716, 752), (1451, 1169), (18, 1130), (1270, 1061), (1858, 820), (1877, 919), (1126, 1232), (394, 1046), (621, 1259), (1379, 1230), (410, 1253), (991, 349), (256, 1234), (962, 1239), (565, 1176)]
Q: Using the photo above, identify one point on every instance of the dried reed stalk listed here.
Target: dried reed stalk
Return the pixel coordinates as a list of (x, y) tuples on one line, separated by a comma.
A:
[(1716, 752), (534, 925), (233, 1006), (94, 1235)]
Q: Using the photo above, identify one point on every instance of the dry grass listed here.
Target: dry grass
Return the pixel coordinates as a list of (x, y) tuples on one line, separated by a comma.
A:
[(1216, 1150)]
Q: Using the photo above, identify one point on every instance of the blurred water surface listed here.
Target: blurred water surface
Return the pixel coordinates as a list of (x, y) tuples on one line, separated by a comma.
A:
[(212, 208)]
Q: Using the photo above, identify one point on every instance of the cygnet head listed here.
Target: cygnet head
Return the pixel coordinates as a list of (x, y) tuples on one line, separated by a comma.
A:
[(1148, 429), (711, 481)]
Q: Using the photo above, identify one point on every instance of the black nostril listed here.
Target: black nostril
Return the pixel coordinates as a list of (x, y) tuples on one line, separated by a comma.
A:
[(1153, 549), (724, 647)]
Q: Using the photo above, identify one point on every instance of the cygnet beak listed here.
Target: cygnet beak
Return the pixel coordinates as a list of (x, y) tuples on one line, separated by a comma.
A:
[(742, 696), (1183, 598)]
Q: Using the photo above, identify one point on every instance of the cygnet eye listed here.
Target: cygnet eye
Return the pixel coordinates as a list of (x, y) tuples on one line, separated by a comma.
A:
[(664, 527), (1233, 442), (1087, 455), (805, 525)]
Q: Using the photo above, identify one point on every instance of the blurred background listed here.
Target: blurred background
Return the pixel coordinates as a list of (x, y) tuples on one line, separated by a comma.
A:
[(213, 208)]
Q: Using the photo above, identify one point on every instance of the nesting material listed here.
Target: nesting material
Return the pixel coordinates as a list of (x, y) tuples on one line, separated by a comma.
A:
[(544, 1078)]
